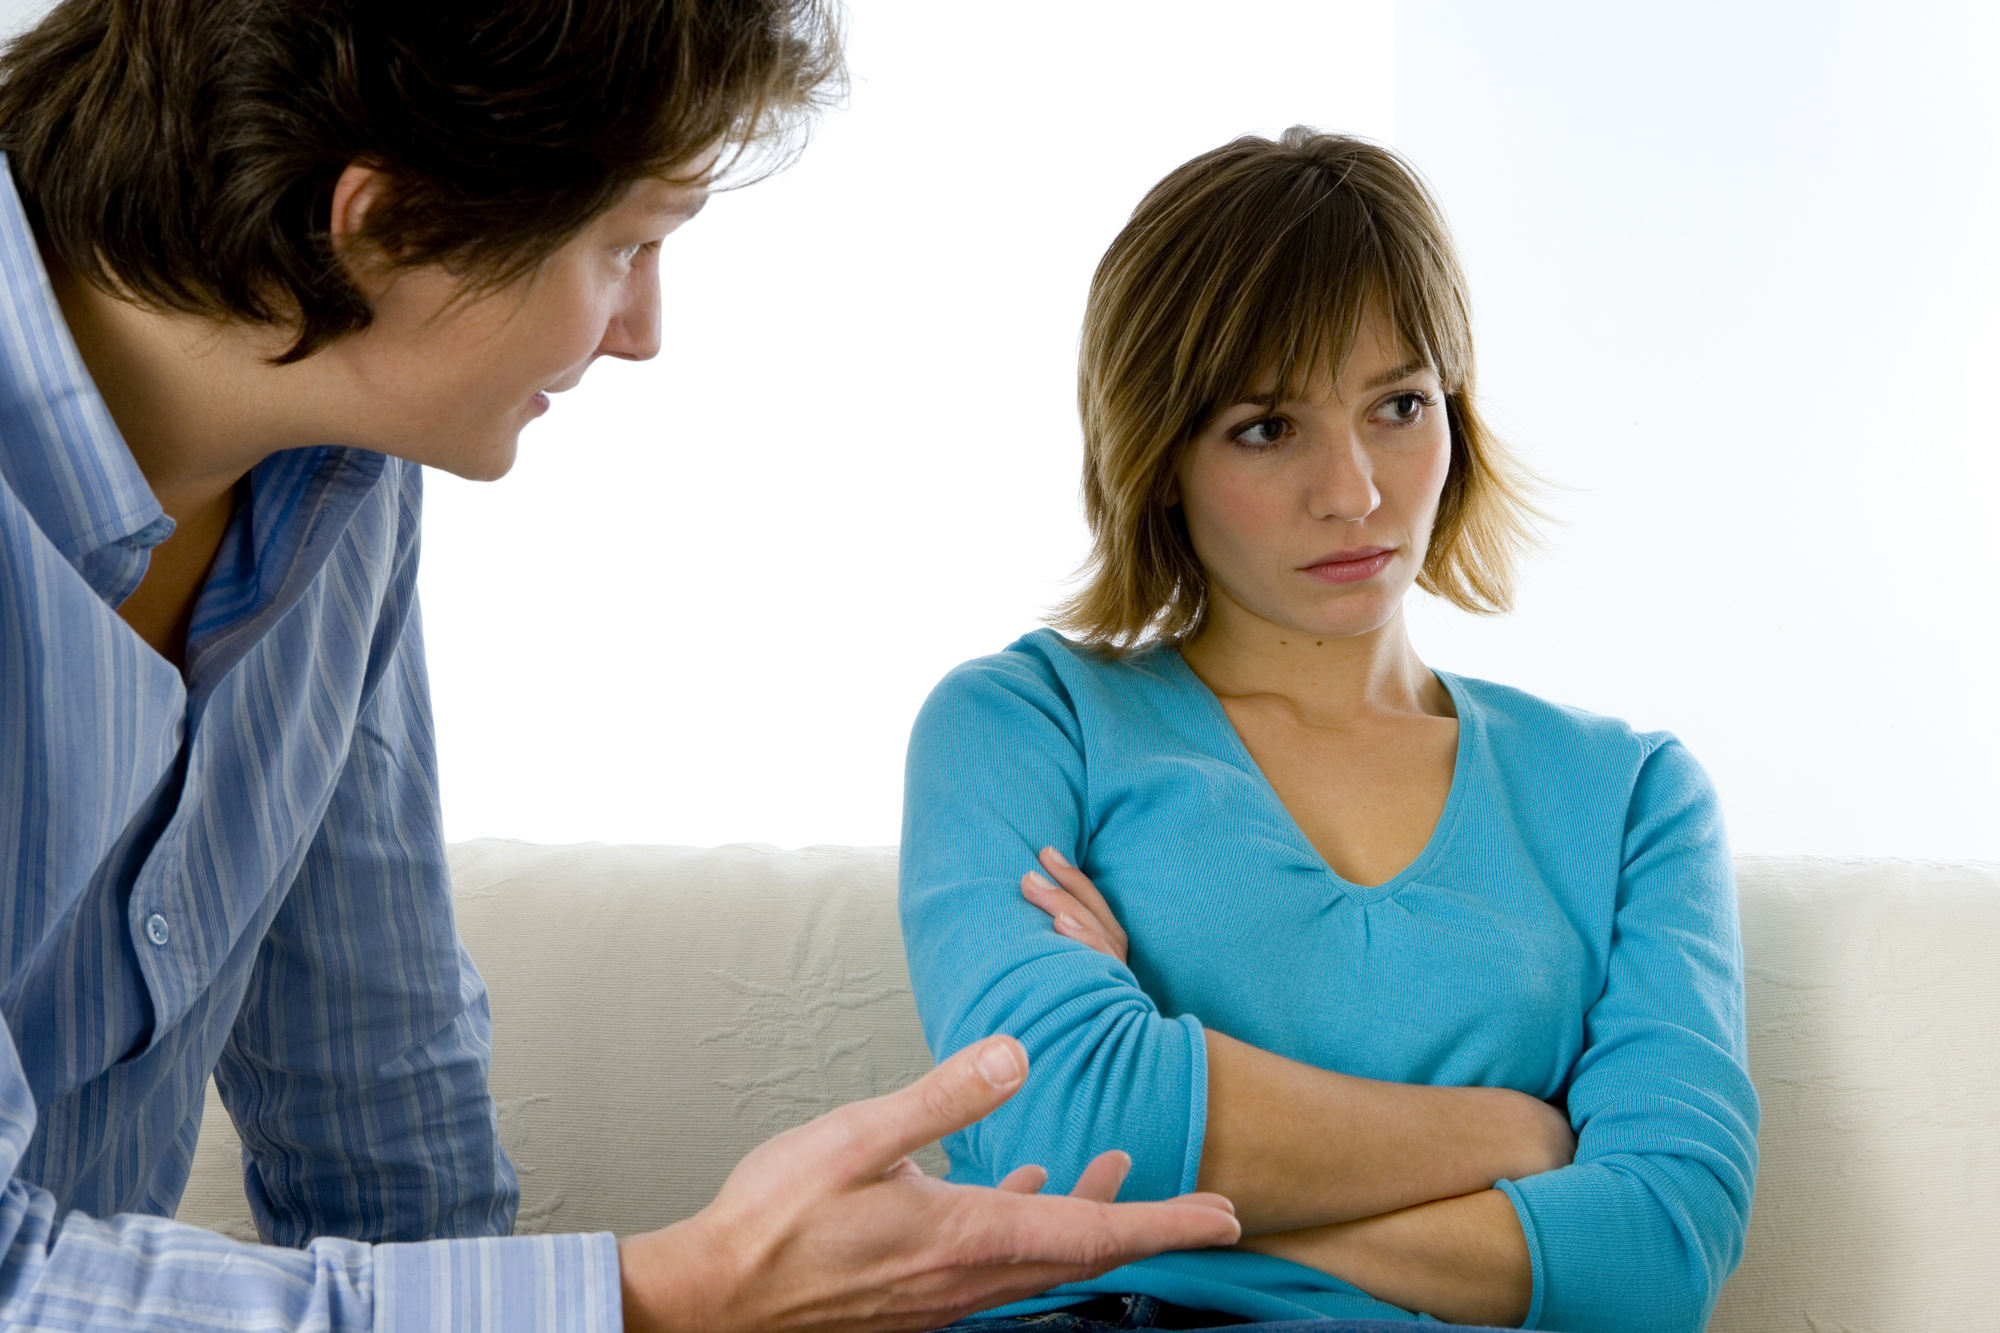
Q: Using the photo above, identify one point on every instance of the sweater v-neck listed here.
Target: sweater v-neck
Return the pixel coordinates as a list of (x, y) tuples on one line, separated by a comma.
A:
[(1228, 744)]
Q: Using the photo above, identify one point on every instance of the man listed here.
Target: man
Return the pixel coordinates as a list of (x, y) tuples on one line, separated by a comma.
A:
[(261, 261)]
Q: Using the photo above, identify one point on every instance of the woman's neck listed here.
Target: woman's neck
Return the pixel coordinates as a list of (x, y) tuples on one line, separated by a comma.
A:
[(1323, 681)]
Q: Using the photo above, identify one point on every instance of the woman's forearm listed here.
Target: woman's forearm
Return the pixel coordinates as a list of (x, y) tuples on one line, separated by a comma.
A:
[(1293, 1146), (1461, 1260)]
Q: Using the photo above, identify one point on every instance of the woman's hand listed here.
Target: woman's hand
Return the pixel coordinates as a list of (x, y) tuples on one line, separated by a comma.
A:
[(1079, 910)]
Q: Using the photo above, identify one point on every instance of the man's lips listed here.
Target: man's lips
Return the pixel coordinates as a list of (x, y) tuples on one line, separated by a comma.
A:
[(1351, 566)]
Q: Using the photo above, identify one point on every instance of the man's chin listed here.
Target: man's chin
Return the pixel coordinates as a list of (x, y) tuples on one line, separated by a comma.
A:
[(489, 461)]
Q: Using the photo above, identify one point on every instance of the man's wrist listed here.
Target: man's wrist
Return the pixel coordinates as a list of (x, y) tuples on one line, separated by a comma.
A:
[(673, 1281)]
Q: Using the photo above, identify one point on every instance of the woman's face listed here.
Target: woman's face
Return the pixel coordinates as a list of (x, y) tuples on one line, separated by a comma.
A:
[(1315, 515)]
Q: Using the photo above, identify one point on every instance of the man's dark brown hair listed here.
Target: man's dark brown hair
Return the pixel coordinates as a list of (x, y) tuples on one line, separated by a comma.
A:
[(184, 152)]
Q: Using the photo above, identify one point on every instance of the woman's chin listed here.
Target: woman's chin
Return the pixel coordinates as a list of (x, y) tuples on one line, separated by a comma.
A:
[(1351, 617)]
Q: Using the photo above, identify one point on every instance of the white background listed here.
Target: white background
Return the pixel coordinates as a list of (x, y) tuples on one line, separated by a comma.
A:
[(1736, 294), (711, 597), (1736, 284)]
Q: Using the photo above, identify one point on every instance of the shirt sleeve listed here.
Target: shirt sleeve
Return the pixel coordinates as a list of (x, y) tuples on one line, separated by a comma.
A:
[(356, 1069), (80, 1274), (996, 772), (1640, 1233)]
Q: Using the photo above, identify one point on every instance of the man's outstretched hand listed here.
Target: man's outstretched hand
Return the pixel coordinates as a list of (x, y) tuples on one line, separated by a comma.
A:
[(832, 1226)]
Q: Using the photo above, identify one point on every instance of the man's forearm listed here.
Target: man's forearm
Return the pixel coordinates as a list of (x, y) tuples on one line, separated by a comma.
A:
[(1293, 1146), (1461, 1260)]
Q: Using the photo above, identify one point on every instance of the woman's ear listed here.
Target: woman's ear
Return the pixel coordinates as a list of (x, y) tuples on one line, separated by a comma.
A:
[(359, 188)]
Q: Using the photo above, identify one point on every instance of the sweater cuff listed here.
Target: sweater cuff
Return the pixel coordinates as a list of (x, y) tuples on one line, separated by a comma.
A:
[(561, 1284), (1197, 1112), (1534, 1239)]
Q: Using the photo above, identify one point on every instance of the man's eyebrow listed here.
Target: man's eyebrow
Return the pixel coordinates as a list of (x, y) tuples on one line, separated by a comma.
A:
[(684, 207)]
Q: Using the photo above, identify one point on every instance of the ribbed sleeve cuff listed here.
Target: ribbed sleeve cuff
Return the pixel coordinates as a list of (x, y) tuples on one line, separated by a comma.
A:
[(1527, 1219), (550, 1284), (1197, 1112)]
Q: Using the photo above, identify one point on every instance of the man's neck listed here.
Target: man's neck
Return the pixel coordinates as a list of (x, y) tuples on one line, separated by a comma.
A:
[(193, 398)]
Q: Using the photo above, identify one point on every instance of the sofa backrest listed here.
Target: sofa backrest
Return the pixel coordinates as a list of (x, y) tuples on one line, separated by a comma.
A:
[(658, 1011)]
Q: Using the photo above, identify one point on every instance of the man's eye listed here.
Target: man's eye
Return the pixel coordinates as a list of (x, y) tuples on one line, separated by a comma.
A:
[(1261, 433)]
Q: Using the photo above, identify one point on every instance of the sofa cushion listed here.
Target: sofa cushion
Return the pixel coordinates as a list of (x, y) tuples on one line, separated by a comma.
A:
[(1873, 993), (658, 1011)]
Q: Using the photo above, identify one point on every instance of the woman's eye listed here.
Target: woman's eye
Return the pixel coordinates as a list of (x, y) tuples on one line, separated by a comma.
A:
[(1405, 408), (1261, 433)]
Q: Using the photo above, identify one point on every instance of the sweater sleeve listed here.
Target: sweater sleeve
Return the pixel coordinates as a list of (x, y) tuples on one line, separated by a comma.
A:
[(996, 772), (1639, 1234)]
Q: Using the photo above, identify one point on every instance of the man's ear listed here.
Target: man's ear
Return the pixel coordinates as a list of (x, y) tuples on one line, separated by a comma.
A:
[(359, 188)]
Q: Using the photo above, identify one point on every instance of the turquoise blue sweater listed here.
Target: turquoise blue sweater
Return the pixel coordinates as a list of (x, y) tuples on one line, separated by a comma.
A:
[(1569, 931)]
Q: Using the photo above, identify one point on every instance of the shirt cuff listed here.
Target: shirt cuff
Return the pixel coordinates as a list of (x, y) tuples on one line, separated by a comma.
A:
[(557, 1284)]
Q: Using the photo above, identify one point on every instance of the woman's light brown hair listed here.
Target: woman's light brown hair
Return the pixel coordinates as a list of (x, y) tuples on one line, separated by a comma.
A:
[(1239, 275)]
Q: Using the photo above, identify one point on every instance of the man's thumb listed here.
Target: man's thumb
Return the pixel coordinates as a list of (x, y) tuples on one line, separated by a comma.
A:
[(963, 1089)]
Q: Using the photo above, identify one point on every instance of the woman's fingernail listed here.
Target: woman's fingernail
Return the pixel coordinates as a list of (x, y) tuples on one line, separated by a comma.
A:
[(1064, 918), (999, 1065), (1056, 856), (1041, 881)]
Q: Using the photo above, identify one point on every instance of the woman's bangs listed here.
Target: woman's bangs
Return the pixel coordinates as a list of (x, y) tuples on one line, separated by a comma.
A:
[(1297, 320)]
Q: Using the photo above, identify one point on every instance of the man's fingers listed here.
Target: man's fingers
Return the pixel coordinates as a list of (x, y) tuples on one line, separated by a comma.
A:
[(1101, 1179), (1094, 1236), (867, 1138), (1207, 1201), (1024, 1180), (1140, 1229)]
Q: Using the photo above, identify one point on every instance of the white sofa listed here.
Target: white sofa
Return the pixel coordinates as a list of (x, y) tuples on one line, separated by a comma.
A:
[(659, 1010)]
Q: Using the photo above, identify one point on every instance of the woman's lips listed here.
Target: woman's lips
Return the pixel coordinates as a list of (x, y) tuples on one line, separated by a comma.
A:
[(539, 403), (1352, 566)]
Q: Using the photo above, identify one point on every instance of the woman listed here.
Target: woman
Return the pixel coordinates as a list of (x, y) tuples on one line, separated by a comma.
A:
[(1393, 934)]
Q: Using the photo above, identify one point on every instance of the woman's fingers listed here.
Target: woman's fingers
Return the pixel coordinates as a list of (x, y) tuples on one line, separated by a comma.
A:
[(1078, 886), (1072, 919)]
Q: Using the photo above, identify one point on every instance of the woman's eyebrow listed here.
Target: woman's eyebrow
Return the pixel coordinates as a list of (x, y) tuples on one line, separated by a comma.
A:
[(1270, 398), (1401, 372)]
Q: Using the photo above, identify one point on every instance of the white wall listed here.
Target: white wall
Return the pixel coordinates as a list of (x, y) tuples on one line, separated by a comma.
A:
[(1736, 294), (1737, 287), (708, 602)]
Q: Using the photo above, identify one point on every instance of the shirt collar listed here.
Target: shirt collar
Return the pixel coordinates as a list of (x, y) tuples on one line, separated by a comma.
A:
[(60, 452)]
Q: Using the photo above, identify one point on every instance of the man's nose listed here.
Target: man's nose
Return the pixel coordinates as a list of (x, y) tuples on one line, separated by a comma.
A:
[(1343, 480)]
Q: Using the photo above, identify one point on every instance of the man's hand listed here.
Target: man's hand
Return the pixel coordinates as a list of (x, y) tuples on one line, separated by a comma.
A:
[(832, 1226)]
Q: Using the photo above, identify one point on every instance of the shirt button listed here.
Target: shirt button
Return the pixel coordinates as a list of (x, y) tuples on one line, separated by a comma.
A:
[(156, 928)]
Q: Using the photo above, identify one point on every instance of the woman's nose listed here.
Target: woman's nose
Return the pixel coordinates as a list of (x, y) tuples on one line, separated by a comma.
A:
[(633, 331), (1343, 481)]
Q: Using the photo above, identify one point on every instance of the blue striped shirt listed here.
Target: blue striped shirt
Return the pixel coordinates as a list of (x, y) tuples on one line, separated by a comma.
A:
[(236, 869)]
